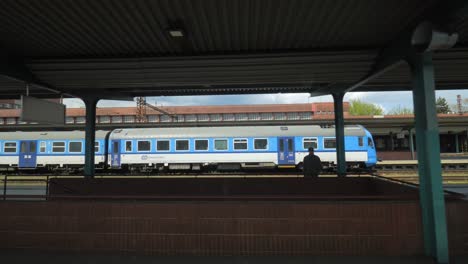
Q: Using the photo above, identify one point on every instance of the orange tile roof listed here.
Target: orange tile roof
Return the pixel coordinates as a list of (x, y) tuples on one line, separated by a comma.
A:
[(326, 107)]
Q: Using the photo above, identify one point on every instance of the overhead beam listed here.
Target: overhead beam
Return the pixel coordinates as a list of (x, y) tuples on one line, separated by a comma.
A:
[(389, 58), (13, 67), (398, 50)]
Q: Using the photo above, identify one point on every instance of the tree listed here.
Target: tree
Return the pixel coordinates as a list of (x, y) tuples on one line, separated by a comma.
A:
[(358, 107), (401, 111), (442, 106)]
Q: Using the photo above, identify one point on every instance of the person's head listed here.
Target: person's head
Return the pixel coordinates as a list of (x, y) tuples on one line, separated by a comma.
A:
[(311, 150)]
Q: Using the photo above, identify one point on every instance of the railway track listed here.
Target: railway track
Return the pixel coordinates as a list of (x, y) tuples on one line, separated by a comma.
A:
[(448, 177), (454, 172), (412, 165)]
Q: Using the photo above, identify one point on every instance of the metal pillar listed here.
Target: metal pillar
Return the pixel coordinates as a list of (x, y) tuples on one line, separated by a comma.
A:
[(411, 143), (457, 147), (90, 135), (339, 133), (427, 142)]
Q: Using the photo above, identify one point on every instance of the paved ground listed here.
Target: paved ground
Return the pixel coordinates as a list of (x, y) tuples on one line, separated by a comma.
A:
[(21, 257)]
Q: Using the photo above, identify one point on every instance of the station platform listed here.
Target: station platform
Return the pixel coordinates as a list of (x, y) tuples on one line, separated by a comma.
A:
[(28, 257), (256, 220)]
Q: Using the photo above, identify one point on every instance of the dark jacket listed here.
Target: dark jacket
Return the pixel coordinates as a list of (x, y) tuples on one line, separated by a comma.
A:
[(312, 165)]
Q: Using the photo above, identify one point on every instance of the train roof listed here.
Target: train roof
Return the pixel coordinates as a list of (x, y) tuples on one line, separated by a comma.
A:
[(48, 135), (231, 131)]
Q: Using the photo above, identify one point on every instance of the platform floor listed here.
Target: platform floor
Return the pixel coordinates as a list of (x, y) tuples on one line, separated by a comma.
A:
[(26, 257)]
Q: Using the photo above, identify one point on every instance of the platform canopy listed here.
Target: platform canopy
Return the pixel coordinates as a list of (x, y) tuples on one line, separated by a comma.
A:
[(126, 48)]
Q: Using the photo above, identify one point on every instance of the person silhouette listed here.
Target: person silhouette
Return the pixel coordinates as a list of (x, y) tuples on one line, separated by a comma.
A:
[(312, 164)]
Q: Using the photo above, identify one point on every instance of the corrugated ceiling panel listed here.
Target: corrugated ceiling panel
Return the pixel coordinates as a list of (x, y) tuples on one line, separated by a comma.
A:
[(57, 28)]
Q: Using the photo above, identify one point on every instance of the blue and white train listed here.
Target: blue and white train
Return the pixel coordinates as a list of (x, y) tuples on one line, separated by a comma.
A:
[(185, 148)]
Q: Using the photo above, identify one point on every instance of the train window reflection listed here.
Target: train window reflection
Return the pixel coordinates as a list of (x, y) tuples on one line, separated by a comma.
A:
[(32, 147), (23, 147), (128, 146), (290, 145), (115, 147), (182, 144), (42, 147), (144, 145), (96, 146), (201, 144), (221, 144), (329, 143), (9, 147), (281, 145), (58, 147), (74, 147), (240, 144), (309, 142), (260, 143), (162, 145)]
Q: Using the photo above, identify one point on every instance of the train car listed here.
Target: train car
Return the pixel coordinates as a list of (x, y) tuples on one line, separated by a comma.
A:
[(57, 150), (233, 148)]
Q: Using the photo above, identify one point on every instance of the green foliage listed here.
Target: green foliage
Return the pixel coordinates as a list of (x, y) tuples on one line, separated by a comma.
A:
[(442, 106), (358, 107), (401, 111)]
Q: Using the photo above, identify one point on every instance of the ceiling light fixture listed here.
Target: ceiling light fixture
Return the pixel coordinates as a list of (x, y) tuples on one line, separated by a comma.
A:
[(176, 33)]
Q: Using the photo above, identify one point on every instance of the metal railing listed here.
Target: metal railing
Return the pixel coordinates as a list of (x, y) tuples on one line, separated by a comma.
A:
[(7, 180)]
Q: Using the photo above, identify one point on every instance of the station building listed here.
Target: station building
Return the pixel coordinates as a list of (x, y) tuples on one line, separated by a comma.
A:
[(391, 132)]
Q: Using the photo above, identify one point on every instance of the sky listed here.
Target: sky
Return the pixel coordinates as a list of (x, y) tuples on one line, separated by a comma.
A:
[(386, 100)]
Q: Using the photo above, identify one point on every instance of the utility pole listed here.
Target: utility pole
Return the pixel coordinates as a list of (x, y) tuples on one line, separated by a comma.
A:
[(141, 110), (459, 104)]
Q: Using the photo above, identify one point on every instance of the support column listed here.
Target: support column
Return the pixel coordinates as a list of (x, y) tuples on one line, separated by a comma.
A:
[(411, 143), (427, 142), (339, 133), (457, 147), (90, 135)]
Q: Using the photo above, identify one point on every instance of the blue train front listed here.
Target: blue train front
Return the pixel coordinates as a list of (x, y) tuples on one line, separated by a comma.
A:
[(186, 148)]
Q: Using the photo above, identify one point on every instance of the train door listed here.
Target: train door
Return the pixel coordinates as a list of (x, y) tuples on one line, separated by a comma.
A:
[(371, 153), (286, 154), (115, 153), (27, 154)]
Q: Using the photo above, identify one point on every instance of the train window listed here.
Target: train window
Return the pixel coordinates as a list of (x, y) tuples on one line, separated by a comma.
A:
[(221, 144), (329, 143), (144, 145), (281, 145), (128, 146), (260, 143), (115, 147), (23, 147), (32, 147), (360, 141), (58, 147), (42, 147), (162, 145), (370, 143), (240, 144), (75, 147), (182, 144), (96, 146), (201, 144), (309, 142), (290, 145), (9, 147)]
